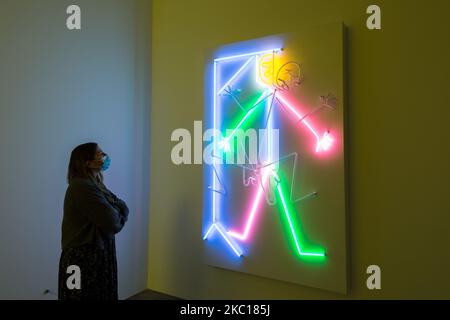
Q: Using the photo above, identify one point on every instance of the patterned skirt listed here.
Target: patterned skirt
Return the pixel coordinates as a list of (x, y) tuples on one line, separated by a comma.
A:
[(98, 273)]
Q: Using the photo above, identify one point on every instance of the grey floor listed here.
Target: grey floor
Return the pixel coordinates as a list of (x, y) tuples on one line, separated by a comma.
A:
[(152, 295)]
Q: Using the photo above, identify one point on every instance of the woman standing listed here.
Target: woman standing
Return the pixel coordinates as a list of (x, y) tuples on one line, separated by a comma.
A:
[(92, 216)]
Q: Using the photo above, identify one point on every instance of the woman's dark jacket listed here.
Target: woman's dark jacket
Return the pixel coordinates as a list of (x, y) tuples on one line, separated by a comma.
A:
[(92, 214)]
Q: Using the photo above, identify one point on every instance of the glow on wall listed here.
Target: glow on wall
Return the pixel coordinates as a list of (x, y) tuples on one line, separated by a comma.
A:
[(283, 216)]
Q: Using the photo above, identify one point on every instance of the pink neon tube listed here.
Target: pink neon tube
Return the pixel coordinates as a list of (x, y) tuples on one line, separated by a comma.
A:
[(321, 144), (252, 214)]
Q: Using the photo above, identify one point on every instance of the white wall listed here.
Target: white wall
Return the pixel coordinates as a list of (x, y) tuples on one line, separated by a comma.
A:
[(60, 88)]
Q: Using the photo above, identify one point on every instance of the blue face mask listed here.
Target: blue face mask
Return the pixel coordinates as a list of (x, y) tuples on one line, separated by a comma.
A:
[(106, 163)]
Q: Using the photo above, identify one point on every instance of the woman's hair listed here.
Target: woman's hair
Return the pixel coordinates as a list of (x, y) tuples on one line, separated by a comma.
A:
[(77, 165)]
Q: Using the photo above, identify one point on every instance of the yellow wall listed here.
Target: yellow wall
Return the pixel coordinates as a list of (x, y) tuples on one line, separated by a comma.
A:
[(399, 110)]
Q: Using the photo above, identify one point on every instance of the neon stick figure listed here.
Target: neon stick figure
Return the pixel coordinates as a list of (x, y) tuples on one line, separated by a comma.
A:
[(269, 181)]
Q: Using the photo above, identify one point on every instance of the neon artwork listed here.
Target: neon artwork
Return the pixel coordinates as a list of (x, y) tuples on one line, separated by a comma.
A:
[(235, 76), (275, 88), (218, 227), (252, 214), (294, 233), (322, 143), (265, 70), (224, 144), (251, 54)]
